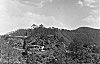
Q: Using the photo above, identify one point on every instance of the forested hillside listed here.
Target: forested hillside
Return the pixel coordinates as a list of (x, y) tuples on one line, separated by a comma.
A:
[(41, 45)]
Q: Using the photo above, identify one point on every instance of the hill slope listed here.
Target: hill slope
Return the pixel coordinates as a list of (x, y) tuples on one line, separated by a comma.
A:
[(52, 46)]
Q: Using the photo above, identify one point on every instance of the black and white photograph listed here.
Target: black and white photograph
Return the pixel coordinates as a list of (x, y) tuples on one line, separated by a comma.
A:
[(49, 31)]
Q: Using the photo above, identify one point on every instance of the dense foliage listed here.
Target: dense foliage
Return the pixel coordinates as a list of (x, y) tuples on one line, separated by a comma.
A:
[(51, 46)]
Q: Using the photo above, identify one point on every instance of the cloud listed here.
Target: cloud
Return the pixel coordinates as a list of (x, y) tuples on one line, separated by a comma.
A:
[(88, 3), (80, 3), (93, 6), (35, 3)]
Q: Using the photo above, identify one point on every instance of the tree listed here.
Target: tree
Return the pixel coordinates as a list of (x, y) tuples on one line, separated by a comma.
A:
[(34, 26), (41, 26), (84, 52)]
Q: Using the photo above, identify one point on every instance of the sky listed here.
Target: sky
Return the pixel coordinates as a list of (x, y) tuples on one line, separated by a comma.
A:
[(67, 14)]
